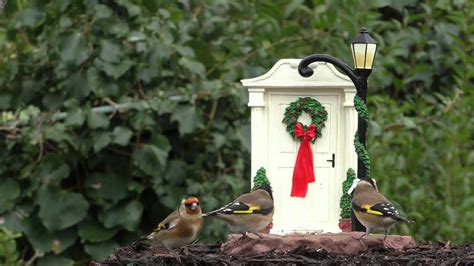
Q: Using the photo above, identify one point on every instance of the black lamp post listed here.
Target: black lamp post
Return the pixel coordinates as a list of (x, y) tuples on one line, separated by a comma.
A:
[(364, 48)]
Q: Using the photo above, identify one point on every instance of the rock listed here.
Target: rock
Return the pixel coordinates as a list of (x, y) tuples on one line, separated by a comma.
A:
[(350, 243)]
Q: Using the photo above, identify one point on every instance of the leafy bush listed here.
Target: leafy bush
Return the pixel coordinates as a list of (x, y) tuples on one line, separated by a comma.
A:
[(78, 185)]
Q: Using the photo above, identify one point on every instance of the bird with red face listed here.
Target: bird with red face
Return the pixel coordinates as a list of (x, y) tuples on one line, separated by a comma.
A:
[(181, 227)]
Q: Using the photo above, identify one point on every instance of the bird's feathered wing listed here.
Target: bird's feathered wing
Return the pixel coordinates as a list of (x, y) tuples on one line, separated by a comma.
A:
[(383, 209), (169, 222), (257, 202)]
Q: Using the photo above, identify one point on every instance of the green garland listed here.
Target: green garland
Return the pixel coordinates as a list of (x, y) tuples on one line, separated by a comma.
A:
[(361, 151), (363, 154), (345, 203), (361, 108), (346, 199), (309, 105)]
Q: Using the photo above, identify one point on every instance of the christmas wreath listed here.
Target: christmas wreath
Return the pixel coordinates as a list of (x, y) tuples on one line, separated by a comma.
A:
[(309, 105), (303, 173)]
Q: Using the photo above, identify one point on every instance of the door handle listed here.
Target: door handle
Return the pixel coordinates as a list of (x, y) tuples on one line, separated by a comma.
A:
[(333, 161)]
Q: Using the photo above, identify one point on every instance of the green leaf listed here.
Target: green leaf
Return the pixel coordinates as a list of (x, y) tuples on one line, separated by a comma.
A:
[(408, 122), (57, 132), (101, 85), (28, 89), (101, 140), (92, 231), (9, 192), (14, 219), (46, 241), (121, 136), (150, 158), (132, 9), (291, 7), (193, 66), (77, 86), (135, 187), (243, 134), (136, 36), (111, 51), (53, 169), (73, 48), (176, 172), (127, 216), (55, 260), (29, 18), (378, 3), (63, 5), (97, 120), (148, 74), (60, 209), (5, 101), (102, 250), (115, 70), (188, 119), (102, 11), (106, 186), (75, 118), (53, 101), (8, 252)]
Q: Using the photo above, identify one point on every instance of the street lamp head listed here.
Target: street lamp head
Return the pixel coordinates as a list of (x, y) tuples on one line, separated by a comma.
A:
[(364, 48)]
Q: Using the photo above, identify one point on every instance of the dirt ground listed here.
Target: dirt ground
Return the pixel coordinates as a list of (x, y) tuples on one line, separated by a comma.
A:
[(426, 253)]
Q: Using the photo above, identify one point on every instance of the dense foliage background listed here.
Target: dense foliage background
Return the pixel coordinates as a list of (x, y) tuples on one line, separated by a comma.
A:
[(73, 189)]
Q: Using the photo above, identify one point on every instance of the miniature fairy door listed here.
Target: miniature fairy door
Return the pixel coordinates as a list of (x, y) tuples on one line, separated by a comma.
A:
[(275, 149)]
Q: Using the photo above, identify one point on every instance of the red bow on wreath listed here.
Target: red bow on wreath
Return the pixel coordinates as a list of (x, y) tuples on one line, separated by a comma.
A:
[(303, 172)]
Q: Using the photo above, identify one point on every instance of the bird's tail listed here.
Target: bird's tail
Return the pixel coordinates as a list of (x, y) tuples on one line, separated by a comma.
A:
[(404, 219), (147, 237), (215, 212)]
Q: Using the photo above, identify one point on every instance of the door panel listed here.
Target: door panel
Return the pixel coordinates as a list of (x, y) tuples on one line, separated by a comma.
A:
[(316, 210)]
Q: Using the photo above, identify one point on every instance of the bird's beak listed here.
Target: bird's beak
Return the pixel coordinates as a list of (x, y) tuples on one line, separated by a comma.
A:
[(194, 206)]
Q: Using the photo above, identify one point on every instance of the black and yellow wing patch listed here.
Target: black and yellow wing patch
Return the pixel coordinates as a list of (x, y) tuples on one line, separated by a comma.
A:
[(383, 210), (379, 209), (242, 208), (165, 226), (161, 227)]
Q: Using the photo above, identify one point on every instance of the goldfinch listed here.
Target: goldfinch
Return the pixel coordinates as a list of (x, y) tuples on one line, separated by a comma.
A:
[(181, 227), (250, 212), (372, 209)]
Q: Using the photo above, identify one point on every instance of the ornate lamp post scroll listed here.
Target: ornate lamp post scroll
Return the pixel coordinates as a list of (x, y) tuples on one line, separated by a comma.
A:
[(364, 49)]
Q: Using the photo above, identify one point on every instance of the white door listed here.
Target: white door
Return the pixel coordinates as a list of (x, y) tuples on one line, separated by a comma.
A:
[(319, 210)]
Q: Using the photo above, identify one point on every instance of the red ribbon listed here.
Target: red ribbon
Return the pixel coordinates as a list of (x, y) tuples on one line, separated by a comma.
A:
[(303, 172)]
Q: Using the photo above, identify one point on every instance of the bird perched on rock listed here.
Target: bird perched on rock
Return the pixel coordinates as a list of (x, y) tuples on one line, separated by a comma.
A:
[(250, 212), (372, 209), (181, 227)]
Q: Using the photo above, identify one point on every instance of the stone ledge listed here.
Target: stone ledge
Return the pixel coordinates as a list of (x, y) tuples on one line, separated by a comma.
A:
[(349, 243)]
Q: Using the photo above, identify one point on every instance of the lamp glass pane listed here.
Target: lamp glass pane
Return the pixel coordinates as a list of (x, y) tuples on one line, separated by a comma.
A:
[(358, 50), (353, 54), (369, 57)]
